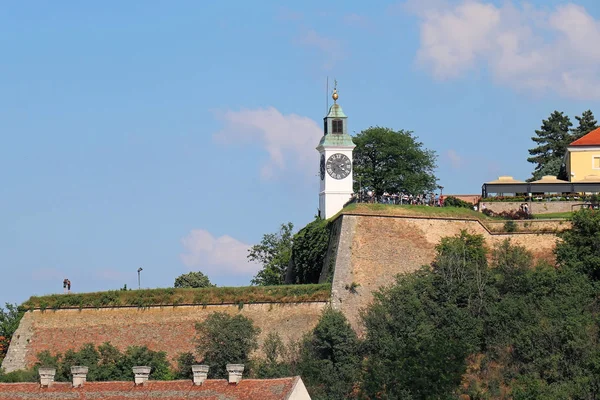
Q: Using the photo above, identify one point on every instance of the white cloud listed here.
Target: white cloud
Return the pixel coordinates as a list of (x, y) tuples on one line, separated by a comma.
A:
[(216, 255), (330, 49), (455, 160), (290, 140), (522, 46)]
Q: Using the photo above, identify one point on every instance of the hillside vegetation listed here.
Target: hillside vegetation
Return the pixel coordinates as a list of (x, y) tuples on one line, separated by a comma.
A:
[(410, 210), (171, 296)]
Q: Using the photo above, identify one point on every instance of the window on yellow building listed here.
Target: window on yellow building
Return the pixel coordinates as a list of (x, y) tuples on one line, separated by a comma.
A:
[(596, 162)]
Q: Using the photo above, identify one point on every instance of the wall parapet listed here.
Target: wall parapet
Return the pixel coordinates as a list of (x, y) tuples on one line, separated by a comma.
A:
[(492, 227)]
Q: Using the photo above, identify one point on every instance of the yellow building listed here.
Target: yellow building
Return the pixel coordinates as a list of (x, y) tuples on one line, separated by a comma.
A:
[(583, 158)]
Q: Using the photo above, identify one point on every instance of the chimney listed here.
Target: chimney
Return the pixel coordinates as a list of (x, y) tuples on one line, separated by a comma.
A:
[(47, 376), (200, 373), (79, 375), (141, 374), (235, 372)]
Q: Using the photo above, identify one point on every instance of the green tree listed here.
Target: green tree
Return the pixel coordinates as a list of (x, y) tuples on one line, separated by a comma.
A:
[(184, 365), (452, 201), (273, 253), (224, 339), (143, 356), (552, 140), (193, 280), (273, 365), (87, 356), (580, 246), (392, 161), (421, 329), (330, 358), (309, 251), (9, 322), (586, 124), (110, 364)]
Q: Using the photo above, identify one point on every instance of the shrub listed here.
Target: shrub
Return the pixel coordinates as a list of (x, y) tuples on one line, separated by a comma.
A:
[(223, 339), (193, 280), (309, 251), (510, 226), (452, 201)]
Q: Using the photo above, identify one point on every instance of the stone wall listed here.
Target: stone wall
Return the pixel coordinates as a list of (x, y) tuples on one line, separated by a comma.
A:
[(374, 249), (535, 207), (170, 329)]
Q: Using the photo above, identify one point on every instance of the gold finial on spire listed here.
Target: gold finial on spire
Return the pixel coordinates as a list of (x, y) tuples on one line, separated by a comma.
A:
[(334, 96)]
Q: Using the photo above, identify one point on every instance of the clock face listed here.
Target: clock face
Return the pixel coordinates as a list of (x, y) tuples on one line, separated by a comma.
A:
[(338, 166), (322, 167)]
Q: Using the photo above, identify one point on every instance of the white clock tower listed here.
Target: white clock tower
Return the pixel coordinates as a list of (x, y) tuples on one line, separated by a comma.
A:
[(335, 148)]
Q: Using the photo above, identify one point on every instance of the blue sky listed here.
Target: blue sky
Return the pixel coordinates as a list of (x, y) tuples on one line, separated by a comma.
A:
[(170, 135)]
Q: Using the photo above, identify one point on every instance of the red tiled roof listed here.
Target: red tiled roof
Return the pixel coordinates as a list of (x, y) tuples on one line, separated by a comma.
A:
[(211, 389), (591, 139)]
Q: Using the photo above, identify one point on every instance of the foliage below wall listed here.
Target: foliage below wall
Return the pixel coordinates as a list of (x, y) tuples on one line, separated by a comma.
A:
[(170, 296)]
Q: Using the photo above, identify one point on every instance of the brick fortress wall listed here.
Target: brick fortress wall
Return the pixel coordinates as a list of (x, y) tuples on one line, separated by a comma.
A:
[(170, 329), (371, 250)]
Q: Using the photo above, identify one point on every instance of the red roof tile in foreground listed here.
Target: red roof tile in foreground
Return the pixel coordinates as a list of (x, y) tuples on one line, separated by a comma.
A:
[(591, 139), (211, 389)]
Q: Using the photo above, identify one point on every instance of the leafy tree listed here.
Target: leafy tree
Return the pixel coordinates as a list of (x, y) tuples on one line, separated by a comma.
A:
[(580, 246), (86, 355), (452, 201), (393, 161), (274, 365), (552, 140), (193, 280), (141, 355), (421, 330), (110, 365), (309, 251), (106, 363), (9, 322), (224, 339), (330, 358), (184, 365), (587, 123), (29, 375), (273, 253)]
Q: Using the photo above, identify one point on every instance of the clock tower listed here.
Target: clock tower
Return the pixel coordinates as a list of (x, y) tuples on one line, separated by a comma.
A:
[(335, 148)]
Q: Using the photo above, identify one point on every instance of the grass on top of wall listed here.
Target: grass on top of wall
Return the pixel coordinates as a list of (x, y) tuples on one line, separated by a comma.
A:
[(391, 209), (556, 215), (172, 297)]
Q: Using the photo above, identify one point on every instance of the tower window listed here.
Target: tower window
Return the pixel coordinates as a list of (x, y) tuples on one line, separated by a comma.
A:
[(325, 126), (337, 126)]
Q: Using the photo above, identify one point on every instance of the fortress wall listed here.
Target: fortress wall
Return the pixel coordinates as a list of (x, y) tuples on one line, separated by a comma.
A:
[(170, 329), (374, 249), (535, 207)]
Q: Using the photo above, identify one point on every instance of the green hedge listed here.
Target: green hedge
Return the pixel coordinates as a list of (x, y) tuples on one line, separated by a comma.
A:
[(171, 296)]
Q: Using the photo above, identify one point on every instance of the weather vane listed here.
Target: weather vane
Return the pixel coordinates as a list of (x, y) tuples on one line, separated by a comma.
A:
[(335, 94)]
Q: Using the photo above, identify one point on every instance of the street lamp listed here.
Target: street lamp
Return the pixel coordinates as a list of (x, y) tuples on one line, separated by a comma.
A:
[(140, 269)]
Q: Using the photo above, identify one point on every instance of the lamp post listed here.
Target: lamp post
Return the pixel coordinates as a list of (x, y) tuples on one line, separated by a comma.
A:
[(140, 269)]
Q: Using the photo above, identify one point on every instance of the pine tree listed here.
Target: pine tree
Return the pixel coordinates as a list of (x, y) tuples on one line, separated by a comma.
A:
[(552, 139), (587, 123)]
